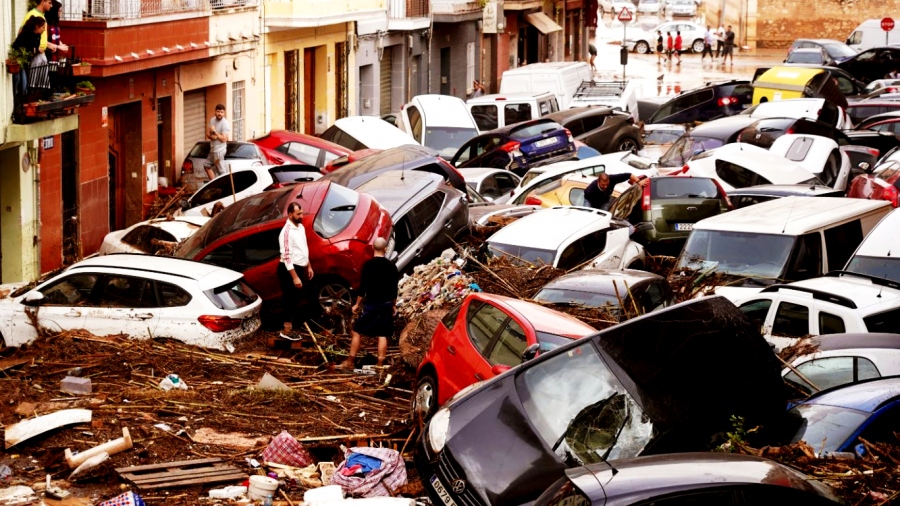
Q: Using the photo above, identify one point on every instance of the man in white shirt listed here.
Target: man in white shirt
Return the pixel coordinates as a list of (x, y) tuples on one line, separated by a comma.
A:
[(720, 41), (217, 133), (294, 269)]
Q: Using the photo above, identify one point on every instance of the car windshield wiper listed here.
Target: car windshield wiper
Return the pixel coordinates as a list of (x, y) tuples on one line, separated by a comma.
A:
[(348, 207)]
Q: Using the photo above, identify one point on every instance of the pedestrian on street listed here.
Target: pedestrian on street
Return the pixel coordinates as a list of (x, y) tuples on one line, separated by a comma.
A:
[(376, 297), (592, 52), (217, 133), (669, 46), (598, 193), (720, 41), (659, 46), (729, 46), (707, 44), (294, 270), (678, 46)]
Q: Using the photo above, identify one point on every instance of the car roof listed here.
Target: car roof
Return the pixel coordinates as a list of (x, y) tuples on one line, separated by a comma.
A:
[(372, 131), (865, 396), (727, 125), (207, 275), (778, 107), (543, 318), (556, 225), (401, 157), (543, 67), (588, 110), (856, 340), (509, 97), (790, 215), (474, 174), (761, 161), (786, 190), (178, 226), (849, 289), (449, 111), (601, 280), (394, 189), (817, 50), (883, 240)]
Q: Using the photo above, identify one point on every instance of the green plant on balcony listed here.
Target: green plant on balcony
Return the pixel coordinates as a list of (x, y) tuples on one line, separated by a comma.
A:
[(84, 87), (17, 59)]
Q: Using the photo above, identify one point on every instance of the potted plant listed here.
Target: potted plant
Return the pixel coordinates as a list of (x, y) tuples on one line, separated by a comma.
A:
[(17, 59), (84, 87), (81, 69)]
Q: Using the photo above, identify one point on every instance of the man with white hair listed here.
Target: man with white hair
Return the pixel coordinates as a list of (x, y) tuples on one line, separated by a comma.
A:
[(376, 297)]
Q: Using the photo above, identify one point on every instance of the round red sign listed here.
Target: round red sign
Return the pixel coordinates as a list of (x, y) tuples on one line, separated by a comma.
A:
[(887, 24)]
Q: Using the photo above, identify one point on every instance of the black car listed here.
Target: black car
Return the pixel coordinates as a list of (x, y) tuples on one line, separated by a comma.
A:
[(638, 291), (687, 479), (743, 197), (872, 64), (518, 147), (712, 101), (847, 83), (601, 128), (408, 157), (837, 50), (704, 137), (664, 382)]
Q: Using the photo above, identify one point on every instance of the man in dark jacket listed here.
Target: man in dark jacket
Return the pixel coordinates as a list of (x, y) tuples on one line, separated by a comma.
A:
[(598, 193)]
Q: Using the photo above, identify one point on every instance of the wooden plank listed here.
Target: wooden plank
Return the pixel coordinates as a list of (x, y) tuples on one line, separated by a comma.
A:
[(203, 471), (200, 481), (168, 465)]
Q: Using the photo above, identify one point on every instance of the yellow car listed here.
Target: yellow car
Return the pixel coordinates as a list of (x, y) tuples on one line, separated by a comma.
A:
[(568, 191)]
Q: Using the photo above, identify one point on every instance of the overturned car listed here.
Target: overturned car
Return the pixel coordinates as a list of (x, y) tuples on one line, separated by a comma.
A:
[(666, 382)]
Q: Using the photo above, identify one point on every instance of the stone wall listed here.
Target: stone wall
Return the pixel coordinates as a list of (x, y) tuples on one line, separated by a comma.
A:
[(779, 22)]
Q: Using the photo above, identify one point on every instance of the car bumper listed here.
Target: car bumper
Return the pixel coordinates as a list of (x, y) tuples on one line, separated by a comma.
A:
[(629, 44), (439, 474)]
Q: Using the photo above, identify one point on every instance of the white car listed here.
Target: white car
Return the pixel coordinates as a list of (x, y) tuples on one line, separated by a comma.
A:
[(681, 8), (366, 132), (440, 122), (739, 165), (567, 237), (879, 253), (826, 305), (644, 41), (241, 184), (238, 156), (138, 295), (819, 155), (146, 237), (490, 183), (650, 6), (810, 108)]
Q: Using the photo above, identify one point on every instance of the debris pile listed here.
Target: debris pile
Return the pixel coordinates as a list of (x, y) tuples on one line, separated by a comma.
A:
[(438, 284), (503, 276)]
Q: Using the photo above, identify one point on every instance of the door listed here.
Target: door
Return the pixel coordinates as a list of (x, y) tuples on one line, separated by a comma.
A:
[(291, 90), (791, 321), (386, 68), (164, 138), (483, 322), (125, 304), (173, 318), (426, 242), (309, 90), (66, 302), (71, 251), (194, 117), (758, 312), (116, 160), (445, 71)]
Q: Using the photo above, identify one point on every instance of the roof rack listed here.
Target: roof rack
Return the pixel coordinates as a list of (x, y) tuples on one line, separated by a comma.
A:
[(600, 88), (874, 279), (817, 294)]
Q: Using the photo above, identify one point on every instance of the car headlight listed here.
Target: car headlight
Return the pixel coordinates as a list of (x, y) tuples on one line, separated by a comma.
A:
[(439, 429)]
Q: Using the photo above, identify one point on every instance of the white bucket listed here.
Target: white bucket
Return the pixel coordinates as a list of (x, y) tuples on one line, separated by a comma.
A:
[(261, 487)]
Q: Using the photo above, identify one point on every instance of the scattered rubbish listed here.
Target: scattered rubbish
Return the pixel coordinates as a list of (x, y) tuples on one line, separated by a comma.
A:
[(126, 499), (333, 398), (230, 492), (209, 436), (379, 471), (110, 447), (323, 495), (437, 284), (269, 382), (9, 363), (252, 463), (25, 408), (18, 494), (285, 449), (5, 472), (172, 382), (27, 429), (261, 487), (164, 426), (75, 371), (180, 474), (54, 492), (89, 464), (75, 385)]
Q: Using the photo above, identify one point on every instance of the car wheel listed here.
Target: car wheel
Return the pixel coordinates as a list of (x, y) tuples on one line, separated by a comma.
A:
[(424, 401), (331, 294), (627, 144), (642, 47), (697, 46)]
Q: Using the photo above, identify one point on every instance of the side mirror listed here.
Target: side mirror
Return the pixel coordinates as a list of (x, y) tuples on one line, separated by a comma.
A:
[(33, 299), (499, 369), (185, 204), (530, 352), (644, 226)]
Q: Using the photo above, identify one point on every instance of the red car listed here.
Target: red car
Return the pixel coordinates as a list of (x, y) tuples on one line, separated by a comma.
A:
[(882, 184), (341, 226), (482, 337), (284, 146)]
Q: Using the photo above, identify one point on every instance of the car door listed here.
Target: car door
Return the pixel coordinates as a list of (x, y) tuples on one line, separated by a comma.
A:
[(174, 320), (506, 181), (593, 133), (791, 320), (125, 304), (426, 238), (66, 301), (467, 353), (759, 311), (226, 190), (829, 372), (255, 256)]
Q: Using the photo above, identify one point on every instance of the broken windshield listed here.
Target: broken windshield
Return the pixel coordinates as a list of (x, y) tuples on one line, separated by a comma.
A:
[(581, 410)]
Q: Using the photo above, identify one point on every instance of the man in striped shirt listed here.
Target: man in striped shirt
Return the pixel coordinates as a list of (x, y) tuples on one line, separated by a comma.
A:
[(294, 270)]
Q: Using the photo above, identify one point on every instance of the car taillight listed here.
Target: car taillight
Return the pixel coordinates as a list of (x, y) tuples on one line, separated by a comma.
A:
[(645, 198), (187, 166), (891, 195), (533, 201), (874, 152), (569, 134), (512, 147), (789, 131), (724, 195), (727, 101), (219, 323)]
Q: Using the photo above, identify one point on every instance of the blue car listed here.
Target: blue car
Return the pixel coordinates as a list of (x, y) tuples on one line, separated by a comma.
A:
[(834, 420), (518, 147)]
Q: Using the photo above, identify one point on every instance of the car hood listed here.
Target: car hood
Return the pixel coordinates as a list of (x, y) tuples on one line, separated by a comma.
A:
[(677, 365)]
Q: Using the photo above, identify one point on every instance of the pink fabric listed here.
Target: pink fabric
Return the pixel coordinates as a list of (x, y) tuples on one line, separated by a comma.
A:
[(391, 474), (284, 449), (126, 499)]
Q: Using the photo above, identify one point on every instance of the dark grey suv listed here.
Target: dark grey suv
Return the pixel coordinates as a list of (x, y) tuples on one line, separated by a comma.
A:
[(708, 102)]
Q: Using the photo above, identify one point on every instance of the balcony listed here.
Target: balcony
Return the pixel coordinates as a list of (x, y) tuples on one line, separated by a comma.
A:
[(50, 91), (455, 11), (405, 15), (314, 13)]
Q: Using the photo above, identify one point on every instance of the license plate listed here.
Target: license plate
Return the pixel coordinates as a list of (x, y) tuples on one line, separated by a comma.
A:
[(442, 492), (684, 226), (543, 143)]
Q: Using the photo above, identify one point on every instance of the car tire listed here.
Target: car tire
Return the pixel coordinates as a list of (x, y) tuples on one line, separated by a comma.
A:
[(642, 47), (628, 144), (424, 400), (330, 293), (697, 46)]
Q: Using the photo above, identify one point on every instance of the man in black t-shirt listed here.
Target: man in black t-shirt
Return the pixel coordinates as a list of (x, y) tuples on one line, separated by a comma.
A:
[(598, 193), (376, 297)]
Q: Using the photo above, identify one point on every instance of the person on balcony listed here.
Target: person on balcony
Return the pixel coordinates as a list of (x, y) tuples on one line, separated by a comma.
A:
[(38, 76), (54, 36), (29, 39)]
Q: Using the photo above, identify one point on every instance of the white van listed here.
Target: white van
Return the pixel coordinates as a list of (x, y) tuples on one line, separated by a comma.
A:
[(440, 122), (879, 253), (782, 240), (560, 78), (869, 34), (491, 112)]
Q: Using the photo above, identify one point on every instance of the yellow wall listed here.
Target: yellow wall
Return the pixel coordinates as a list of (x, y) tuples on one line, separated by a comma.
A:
[(320, 8)]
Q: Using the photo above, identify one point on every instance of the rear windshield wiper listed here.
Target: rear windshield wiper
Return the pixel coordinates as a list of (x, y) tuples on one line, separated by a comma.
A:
[(347, 207)]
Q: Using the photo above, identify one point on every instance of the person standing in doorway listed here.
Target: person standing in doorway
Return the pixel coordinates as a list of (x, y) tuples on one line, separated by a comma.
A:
[(592, 54), (659, 47), (720, 41), (217, 133), (707, 44), (729, 45), (678, 46), (294, 270), (376, 298), (669, 47)]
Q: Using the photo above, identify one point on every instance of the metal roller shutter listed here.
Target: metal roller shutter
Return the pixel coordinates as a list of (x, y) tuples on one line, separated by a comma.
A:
[(385, 91), (194, 118)]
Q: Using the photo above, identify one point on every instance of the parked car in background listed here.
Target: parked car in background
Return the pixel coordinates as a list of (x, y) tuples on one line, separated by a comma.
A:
[(429, 215), (657, 139), (813, 55), (405, 158), (491, 112), (687, 478), (851, 87), (283, 147), (685, 8), (743, 165), (568, 237), (440, 122), (708, 102), (650, 6), (881, 183), (241, 184), (518, 147), (618, 95), (490, 183), (489, 334), (341, 225), (835, 49), (141, 296), (152, 236), (751, 195), (703, 137), (366, 132), (644, 41), (819, 155), (615, 6), (238, 155), (874, 114), (601, 128), (877, 255), (638, 292), (872, 64), (561, 78), (810, 108), (842, 359)]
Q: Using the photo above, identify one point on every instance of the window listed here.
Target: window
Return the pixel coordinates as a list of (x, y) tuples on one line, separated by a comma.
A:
[(881, 429), (683, 187), (171, 295), (757, 311), (403, 233), (711, 497), (449, 319), (515, 113), (484, 320), (791, 320), (146, 237), (225, 256), (830, 372), (583, 249), (830, 324), (489, 188), (485, 117), (336, 212), (415, 123), (127, 291), (509, 346), (737, 176), (303, 152), (234, 295), (237, 110), (221, 187), (806, 258), (576, 196), (506, 182), (653, 297), (888, 321), (425, 212), (261, 247), (576, 127), (842, 241), (74, 290), (593, 122)]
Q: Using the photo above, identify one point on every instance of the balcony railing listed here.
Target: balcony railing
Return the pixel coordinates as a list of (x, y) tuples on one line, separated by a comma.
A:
[(400, 9), (89, 10)]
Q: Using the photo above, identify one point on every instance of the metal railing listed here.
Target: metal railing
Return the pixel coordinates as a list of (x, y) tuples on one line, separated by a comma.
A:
[(401, 9), (78, 10)]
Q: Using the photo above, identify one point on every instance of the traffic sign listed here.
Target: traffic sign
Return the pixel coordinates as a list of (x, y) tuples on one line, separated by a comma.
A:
[(625, 15), (887, 24)]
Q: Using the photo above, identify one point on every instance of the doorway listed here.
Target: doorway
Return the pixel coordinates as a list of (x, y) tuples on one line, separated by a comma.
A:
[(126, 173), (164, 138), (70, 213), (445, 71), (309, 90)]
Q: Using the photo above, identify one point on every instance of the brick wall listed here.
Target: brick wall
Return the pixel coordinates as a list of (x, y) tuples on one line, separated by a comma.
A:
[(779, 22)]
